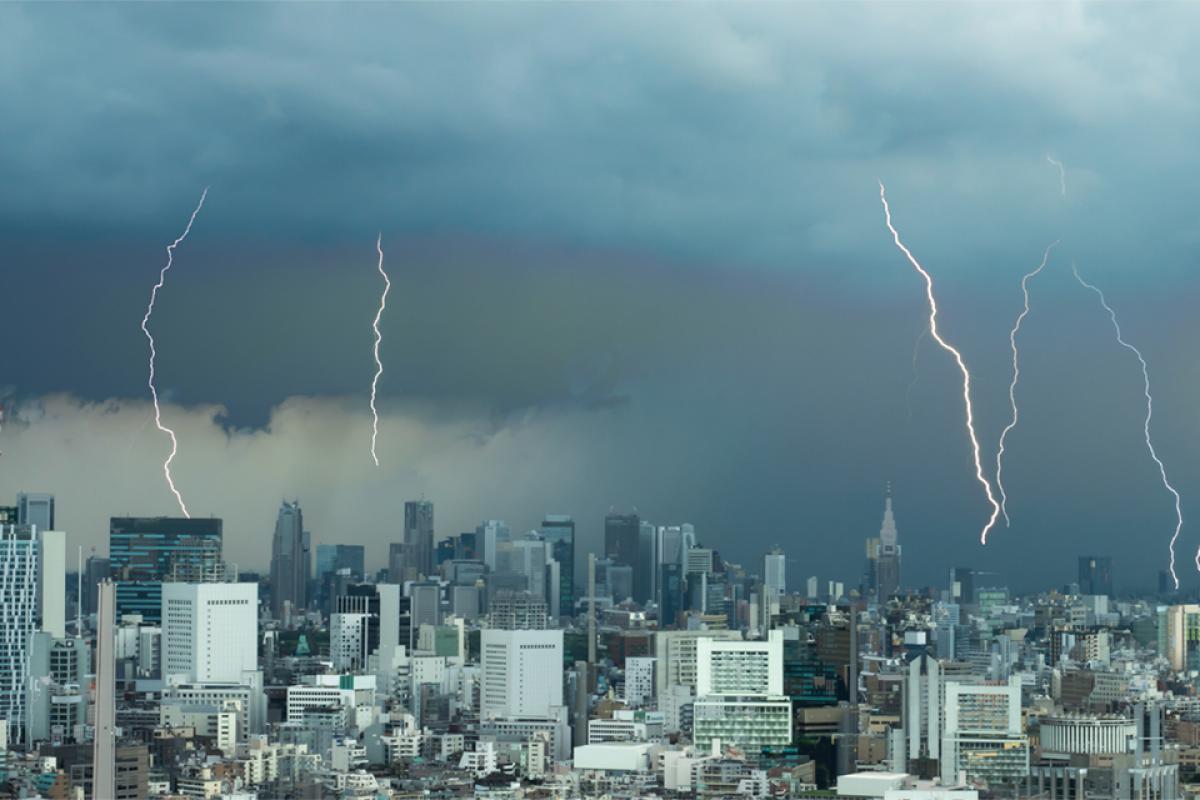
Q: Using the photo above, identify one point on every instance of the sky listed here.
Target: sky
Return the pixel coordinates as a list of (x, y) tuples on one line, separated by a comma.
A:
[(638, 262)]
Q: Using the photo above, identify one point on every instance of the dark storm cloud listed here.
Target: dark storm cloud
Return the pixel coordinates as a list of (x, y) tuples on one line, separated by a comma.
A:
[(650, 234)]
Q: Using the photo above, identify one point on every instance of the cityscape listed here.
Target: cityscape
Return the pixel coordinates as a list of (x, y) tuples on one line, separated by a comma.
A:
[(494, 663), (562, 400)]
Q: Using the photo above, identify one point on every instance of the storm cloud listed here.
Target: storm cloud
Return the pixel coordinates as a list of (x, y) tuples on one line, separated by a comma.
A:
[(638, 260)]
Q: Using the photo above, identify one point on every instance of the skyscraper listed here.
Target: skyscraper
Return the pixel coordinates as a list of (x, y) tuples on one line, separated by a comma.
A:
[(418, 532), (19, 592), (145, 551), (209, 631), (1095, 575), (494, 538), (36, 508), (289, 560), (559, 532), (104, 752), (521, 671), (774, 572), (622, 535), (887, 561)]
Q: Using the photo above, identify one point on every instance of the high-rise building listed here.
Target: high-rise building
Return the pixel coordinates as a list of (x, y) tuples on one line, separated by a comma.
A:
[(332, 557), (19, 592), (529, 559), (559, 532), (621, 535), (775, 572), (145, 551), (983, 735), (369, 619), (209, 632), (514, 611), (887, 559), (1179, 636), (37, 509), (1095, 575), (739, 694), (494, 539), (56, 698), (289, 561), (962, 585), (522, 673), (418, 532), (645, 573)]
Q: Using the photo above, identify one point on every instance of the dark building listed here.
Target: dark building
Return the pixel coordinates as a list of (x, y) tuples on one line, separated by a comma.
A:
[(334, 557), (290, 561), (670, 594), (621, 538), (36, 509), (965, 578), (559, 533), (466, 547), (1095, 575), (145, 551), (95, 570), (418, 533)]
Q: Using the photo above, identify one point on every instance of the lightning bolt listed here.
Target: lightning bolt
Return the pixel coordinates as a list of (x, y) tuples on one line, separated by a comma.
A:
[(162, 277), (962, 366), (387, 287), (1012, 387), (1062, 174), (1162, 470)]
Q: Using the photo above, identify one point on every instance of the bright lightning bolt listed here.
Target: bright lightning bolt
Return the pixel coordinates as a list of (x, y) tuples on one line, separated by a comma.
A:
[(1012, 387), (1062, 174), (162, 277), (962, 366), (1162, 470), (387, 287)]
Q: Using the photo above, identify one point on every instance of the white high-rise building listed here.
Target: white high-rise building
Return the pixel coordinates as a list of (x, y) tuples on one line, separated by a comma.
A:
[(522, 673), (983, 736), (739, 694), (774, 574), (210, 631), (32, 591)]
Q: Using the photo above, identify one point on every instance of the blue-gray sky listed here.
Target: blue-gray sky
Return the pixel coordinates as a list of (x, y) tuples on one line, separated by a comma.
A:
[(638, 260)]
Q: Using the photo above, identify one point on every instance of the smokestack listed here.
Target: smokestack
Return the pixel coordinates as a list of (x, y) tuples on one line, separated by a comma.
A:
[(592, 610), (104, 752)]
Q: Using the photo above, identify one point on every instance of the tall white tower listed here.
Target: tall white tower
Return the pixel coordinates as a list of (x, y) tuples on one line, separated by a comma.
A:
[(104, 752)]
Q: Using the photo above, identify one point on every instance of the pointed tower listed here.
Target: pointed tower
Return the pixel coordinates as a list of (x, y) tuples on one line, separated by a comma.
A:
[(887, 559)]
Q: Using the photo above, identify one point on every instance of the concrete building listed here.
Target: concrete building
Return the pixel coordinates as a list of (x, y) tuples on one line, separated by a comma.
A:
[(982, 737), (522, 672), (209, 631), (739, 694)]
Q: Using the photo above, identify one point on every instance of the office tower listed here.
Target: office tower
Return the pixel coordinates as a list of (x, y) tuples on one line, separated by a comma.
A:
[(739, 694), (402, 562), (56, 697), (495, 541), (418, 532), (871, 571), (1179, 636), (522, 673), (1095, 575), (334, 557), (698, 561), (96, 569), (145, 551), (209, 632), (639, 680), (983, 735), (774, 572), (35, 508), (529, 559), (645, 573), (812, 587), (426, 604), (104, 779), (19, 593), (887, 559), (621, 535), (369, 619), (289, 561), (670, 544), (670, 594), (962, 585), (559, 532)]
